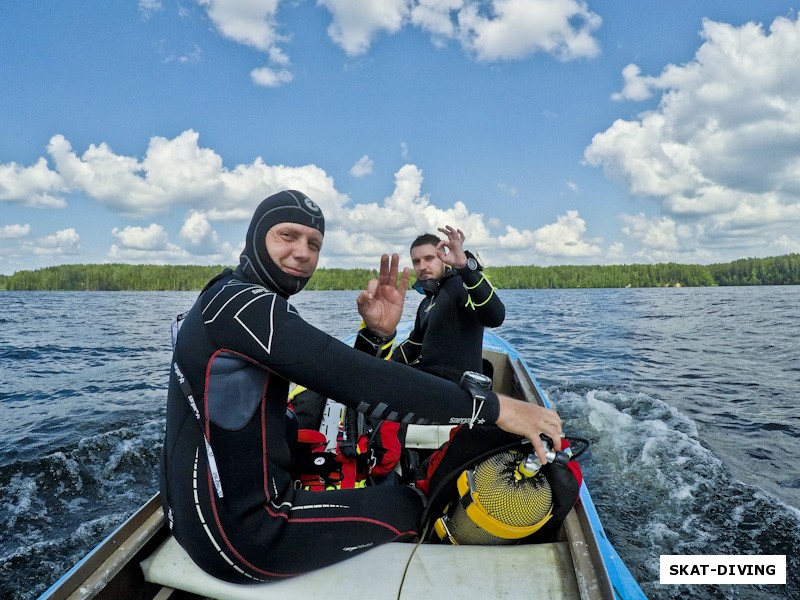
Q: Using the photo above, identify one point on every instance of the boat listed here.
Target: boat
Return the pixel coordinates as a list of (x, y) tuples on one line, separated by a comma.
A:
[(142, 560)]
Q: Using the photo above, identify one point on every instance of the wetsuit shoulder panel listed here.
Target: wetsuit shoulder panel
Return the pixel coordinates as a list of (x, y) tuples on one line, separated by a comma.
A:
[(234, 390)]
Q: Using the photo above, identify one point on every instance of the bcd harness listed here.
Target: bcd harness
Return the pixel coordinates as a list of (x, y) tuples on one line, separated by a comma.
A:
[(338, 447), (345, 450)]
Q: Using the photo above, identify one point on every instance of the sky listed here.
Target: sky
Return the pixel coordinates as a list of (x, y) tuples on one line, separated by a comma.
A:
[(550, 131)]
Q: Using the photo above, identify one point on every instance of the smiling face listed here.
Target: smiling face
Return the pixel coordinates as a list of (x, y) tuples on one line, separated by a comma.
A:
[(427, 264), (294, 248)]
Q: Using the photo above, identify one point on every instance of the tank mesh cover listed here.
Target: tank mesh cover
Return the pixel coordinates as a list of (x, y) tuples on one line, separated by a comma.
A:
[(505, 496)]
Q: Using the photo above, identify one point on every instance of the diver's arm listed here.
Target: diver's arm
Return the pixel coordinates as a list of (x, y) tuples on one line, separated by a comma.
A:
[(249, 321), (482, 300), (408, 351)]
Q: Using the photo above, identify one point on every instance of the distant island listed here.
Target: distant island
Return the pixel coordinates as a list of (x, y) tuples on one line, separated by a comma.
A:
[(777, 270)]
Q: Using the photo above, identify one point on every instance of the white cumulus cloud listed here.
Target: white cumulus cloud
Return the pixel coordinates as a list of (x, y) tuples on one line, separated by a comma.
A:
[(173, 172), (268, 77), (196, 229), (491, 30), (64, 242), (356, 23), (362, 167), (179, 174), (14, 231), (253, 23), (152, 237), (516, 29), (721, 152), (36, 185), (566, 238)]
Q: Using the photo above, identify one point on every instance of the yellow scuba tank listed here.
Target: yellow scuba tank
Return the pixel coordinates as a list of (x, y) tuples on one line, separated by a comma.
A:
[(501, 500)]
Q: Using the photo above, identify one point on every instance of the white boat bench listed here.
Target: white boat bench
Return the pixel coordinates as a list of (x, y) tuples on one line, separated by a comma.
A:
[(391, 571)]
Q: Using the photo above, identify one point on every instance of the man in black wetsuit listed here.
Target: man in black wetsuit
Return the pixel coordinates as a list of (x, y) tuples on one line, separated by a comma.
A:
[(459, 302), (226, 483)]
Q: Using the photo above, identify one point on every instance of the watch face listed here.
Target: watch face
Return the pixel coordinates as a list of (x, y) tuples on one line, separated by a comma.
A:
[(472, 264), (473, 378)]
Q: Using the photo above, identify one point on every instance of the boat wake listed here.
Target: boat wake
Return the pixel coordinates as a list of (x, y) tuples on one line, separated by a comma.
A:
[(56, 508), (661, 490)]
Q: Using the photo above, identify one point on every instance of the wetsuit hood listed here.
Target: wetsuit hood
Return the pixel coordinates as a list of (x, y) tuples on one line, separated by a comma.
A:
[(288, 206)]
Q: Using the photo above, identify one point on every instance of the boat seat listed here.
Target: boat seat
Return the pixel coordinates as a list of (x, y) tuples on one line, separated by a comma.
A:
[(427, 437), (434, 571)]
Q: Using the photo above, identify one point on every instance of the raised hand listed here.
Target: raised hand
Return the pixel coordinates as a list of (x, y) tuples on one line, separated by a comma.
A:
[(455, 256), (381, 304)]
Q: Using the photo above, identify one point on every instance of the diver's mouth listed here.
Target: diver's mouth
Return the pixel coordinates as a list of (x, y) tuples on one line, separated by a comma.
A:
[(295, 272)]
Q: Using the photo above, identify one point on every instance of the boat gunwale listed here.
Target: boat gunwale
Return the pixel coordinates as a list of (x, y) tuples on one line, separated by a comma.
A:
[(89, 576)]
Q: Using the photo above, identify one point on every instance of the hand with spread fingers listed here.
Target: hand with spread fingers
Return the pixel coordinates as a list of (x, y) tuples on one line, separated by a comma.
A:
[(530, 421), (381, 304), (455, 256)]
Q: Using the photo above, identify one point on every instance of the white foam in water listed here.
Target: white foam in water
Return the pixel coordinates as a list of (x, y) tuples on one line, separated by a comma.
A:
[(656, 483), (603, 416), (22, 500), (70, 468)]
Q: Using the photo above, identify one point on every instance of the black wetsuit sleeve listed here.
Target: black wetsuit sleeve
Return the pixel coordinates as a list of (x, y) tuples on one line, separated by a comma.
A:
[(408, 351), (257, 325), (482, 300), (368, 342)]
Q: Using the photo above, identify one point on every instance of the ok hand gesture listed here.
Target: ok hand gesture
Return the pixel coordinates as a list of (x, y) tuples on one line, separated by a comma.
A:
[(454, 243)]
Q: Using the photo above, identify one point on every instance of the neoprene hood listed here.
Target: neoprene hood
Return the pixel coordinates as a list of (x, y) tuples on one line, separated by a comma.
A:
[(289, 206)]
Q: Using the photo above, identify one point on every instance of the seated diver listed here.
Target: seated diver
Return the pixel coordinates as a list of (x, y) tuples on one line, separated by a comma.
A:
[(226, 483)]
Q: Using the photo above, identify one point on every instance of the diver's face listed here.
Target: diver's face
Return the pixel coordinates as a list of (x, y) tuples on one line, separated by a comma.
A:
[(294, 248), (426, 262)]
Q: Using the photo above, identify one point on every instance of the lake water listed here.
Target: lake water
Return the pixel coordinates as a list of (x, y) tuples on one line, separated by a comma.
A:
[(690, 398)]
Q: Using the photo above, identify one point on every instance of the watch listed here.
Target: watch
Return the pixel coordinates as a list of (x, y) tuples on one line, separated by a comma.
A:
[(472, 263)]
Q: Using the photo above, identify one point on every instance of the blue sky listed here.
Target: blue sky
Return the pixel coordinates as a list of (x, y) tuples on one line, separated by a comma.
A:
[(551, 131)]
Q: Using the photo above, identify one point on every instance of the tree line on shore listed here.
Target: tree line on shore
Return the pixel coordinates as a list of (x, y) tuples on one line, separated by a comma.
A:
[(777, 270)]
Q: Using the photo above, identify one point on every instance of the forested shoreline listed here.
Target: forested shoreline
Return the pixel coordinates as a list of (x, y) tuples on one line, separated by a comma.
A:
[(777, 270)]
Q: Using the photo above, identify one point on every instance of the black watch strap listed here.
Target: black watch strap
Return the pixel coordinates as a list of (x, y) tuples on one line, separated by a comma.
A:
[(375, 340)]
